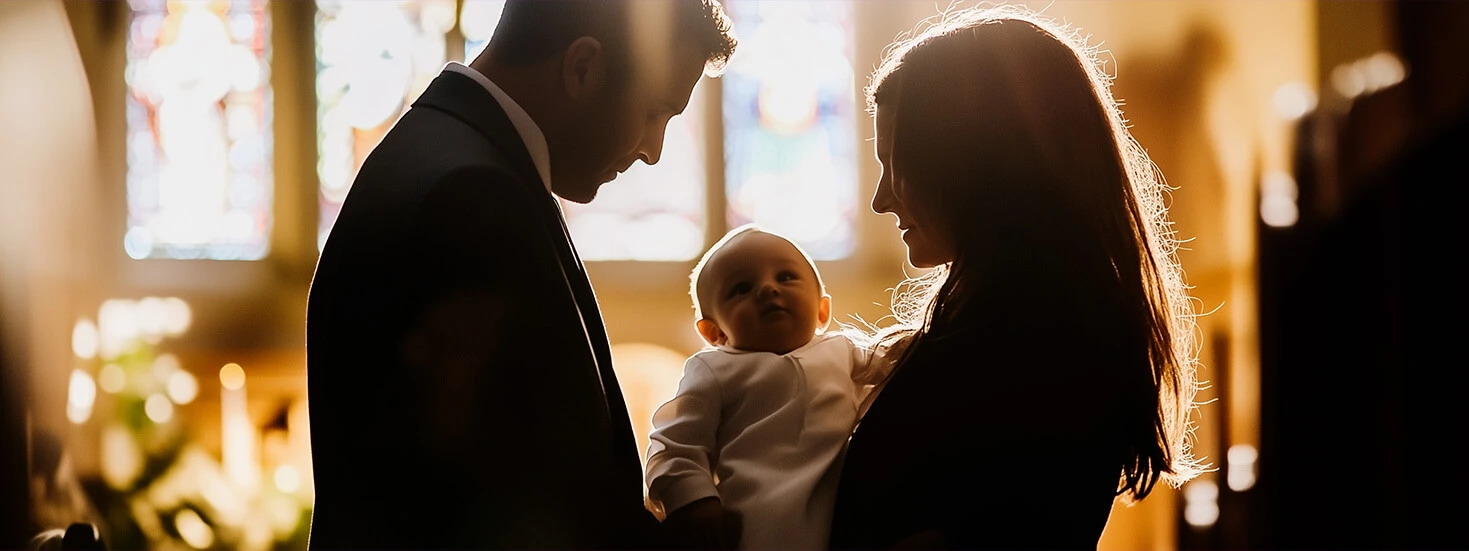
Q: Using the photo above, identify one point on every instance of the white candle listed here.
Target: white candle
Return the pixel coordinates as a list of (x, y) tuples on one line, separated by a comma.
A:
[(237, 435)]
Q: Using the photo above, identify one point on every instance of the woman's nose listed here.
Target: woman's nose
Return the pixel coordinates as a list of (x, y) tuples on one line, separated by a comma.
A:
[(882, 199), (879, 205)]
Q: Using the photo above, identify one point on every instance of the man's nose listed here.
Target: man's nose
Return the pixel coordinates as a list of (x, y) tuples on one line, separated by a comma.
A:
[(652, 147)]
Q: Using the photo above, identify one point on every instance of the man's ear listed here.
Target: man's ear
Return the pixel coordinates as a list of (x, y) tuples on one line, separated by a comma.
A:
[(823, 312), (584, 68), (711, 332)]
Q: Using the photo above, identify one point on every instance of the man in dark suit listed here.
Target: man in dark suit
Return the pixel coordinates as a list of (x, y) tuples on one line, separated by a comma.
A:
[(459, 376)]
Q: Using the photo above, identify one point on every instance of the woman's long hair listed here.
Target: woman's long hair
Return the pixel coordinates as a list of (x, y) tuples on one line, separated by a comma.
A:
[(1007, 139)]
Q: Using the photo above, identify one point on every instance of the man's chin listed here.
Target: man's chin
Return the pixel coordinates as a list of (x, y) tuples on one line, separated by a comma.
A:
[(579, 200), (581, 195)]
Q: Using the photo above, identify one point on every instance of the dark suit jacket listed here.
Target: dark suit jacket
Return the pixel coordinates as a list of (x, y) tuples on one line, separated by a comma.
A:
[(460, 384)]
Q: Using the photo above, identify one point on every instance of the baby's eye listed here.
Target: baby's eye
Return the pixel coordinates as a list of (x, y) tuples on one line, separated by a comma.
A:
[(785, 276), (739, 289)]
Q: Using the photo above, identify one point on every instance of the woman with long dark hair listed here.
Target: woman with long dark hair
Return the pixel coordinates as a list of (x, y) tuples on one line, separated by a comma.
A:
[(1045, 365)]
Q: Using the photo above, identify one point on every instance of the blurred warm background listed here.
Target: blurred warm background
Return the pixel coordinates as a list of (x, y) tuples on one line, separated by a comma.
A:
[(168, 170)]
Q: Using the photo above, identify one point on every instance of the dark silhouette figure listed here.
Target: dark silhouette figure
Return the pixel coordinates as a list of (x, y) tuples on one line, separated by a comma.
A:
[(1045, 366), (460, 381), (1362, 391)]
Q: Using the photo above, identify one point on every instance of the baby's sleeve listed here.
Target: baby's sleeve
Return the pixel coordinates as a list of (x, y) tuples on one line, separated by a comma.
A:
[(683, 443)]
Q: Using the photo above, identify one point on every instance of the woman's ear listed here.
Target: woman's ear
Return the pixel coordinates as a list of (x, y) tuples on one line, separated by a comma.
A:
[(583, 69), (711, 332)]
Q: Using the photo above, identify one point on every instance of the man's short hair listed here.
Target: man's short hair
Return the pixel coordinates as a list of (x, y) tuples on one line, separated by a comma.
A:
[(530, 31)]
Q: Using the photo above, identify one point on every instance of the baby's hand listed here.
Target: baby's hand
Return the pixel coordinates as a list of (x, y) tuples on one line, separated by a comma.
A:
[(704, 524)]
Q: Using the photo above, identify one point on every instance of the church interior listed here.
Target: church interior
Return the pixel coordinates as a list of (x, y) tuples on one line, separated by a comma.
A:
[(172, 167)]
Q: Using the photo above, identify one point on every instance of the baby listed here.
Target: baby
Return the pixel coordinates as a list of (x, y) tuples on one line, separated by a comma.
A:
[(745, 453)]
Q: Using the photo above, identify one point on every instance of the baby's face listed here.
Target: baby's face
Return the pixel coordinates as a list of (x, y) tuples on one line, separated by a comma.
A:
[(762, 295)]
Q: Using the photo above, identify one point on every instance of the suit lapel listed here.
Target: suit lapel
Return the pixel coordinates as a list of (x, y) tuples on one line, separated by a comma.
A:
[(466, 100), (597, 333)]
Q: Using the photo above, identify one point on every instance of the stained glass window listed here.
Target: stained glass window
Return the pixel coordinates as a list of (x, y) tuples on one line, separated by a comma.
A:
[(790, 122), (198, 130), (373, 59)]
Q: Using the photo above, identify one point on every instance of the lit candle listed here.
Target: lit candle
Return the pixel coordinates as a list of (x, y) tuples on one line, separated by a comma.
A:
[(237, 434)]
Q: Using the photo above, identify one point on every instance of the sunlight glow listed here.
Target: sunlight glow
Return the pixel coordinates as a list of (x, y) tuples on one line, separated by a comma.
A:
[(84, 339), (287, 479), (193, 529), (80, 396), (111, 378), (1368, 75), (1278, 194), (152, 319), (158, 408), (165, 365), (1293, 101), (649, 375), (1241, 460), (1201, 503), (122, 459), (117, 326), (177, 316), (232, 376), (182, 387)]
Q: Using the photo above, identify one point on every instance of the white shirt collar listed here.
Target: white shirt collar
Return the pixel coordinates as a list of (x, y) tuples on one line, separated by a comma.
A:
[(535, 141)]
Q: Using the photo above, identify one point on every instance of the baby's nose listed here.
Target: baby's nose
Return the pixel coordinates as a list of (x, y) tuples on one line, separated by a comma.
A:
[(769, 290)]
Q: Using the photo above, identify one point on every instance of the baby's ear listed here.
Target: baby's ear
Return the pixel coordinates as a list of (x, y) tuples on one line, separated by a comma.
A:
[(823, 312), (710, 331)]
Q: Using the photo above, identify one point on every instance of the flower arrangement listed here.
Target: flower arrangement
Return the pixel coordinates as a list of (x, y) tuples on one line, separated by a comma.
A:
[(158, 487)]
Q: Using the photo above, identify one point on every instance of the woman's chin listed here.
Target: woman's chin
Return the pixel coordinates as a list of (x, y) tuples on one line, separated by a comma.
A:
[(922, 261), (922, 253)]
